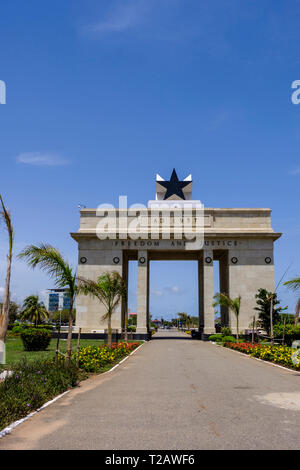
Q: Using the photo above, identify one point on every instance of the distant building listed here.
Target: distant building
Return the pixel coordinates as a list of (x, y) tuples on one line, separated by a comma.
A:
[(58, 299)]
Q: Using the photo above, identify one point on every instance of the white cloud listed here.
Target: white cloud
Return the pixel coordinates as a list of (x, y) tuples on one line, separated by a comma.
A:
[(156, 293), (173, 290), (41, 159), (121, 18), (296, 171), (170, 290)]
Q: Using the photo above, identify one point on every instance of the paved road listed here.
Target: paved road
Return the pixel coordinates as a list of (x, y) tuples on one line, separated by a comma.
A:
[(173, 393)]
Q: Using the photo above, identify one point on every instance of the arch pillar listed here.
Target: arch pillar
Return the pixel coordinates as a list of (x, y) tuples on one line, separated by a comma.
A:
[(143, 293), (206, 293)]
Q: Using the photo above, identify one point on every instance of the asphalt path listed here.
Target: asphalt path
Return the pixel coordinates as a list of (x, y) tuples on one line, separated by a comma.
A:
[(173, 393)]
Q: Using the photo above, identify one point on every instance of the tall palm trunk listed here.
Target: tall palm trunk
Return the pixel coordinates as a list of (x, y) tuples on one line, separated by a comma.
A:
[(109, 336), (70, 331), (5, 308), (297, 311), (126, 324), (237, 327)]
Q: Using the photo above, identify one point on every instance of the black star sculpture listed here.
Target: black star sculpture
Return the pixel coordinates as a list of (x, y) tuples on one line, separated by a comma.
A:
[(174, 186)]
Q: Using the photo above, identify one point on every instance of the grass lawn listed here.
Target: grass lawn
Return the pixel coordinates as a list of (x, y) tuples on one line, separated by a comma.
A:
[(15, 351)]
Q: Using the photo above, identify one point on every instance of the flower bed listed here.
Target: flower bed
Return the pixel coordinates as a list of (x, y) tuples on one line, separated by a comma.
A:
[(242, 347), (273, 353), (95, 359), (30, 385)]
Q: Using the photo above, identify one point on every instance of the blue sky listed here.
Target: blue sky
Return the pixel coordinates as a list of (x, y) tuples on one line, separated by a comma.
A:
[(101, 95)]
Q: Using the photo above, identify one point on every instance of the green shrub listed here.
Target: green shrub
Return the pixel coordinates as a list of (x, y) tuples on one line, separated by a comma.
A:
[(229, 339), (226, 331), (44, 327), (17, 330), (35, 339), (131, 328), (31, 385), (291, 333), (217, 337)]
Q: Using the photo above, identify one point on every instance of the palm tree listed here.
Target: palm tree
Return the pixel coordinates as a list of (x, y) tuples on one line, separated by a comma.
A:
[(294, 284), (5, 216), (109, 289), (233, 304), (183, 318), (33, 310), (50, 260)]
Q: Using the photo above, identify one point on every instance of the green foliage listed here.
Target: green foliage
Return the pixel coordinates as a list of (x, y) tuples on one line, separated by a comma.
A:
[(226, 331), (35, 339), (33, 310), (232, 304), (132, 320), (228, 339), (109, 288), (217, 337), (43, 327), (287, 317), (264, 306), (17, 330), (31, 385), (131, 328), (291, 333), (62, 316), (185, 319), (50, 260)]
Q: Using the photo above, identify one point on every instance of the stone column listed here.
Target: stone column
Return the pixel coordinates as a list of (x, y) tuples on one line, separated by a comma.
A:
[(224, 286), (249, 270), (124, 305), (208, 292), (143, 292), (201, 293)]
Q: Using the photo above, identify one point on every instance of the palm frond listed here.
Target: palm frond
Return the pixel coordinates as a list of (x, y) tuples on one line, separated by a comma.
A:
[(50, 260), (109, 288), (225, 301), (91, 288), (293, 284)]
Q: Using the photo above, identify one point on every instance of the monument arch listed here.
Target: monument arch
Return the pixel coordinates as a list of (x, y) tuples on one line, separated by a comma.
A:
[(240, 239)]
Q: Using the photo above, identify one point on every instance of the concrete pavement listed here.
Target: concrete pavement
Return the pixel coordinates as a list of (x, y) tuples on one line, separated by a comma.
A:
[(173, 393)]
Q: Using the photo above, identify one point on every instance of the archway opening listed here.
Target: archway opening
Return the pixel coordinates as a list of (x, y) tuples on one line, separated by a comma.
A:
[(173, 291)]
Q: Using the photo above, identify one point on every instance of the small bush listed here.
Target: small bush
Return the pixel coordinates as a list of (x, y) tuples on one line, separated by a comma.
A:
[(44, 327), (31, 385), (226, 331), (217, 337), (131, 328), (228, 339), (35, 339), (291, 333), (17, 330)]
